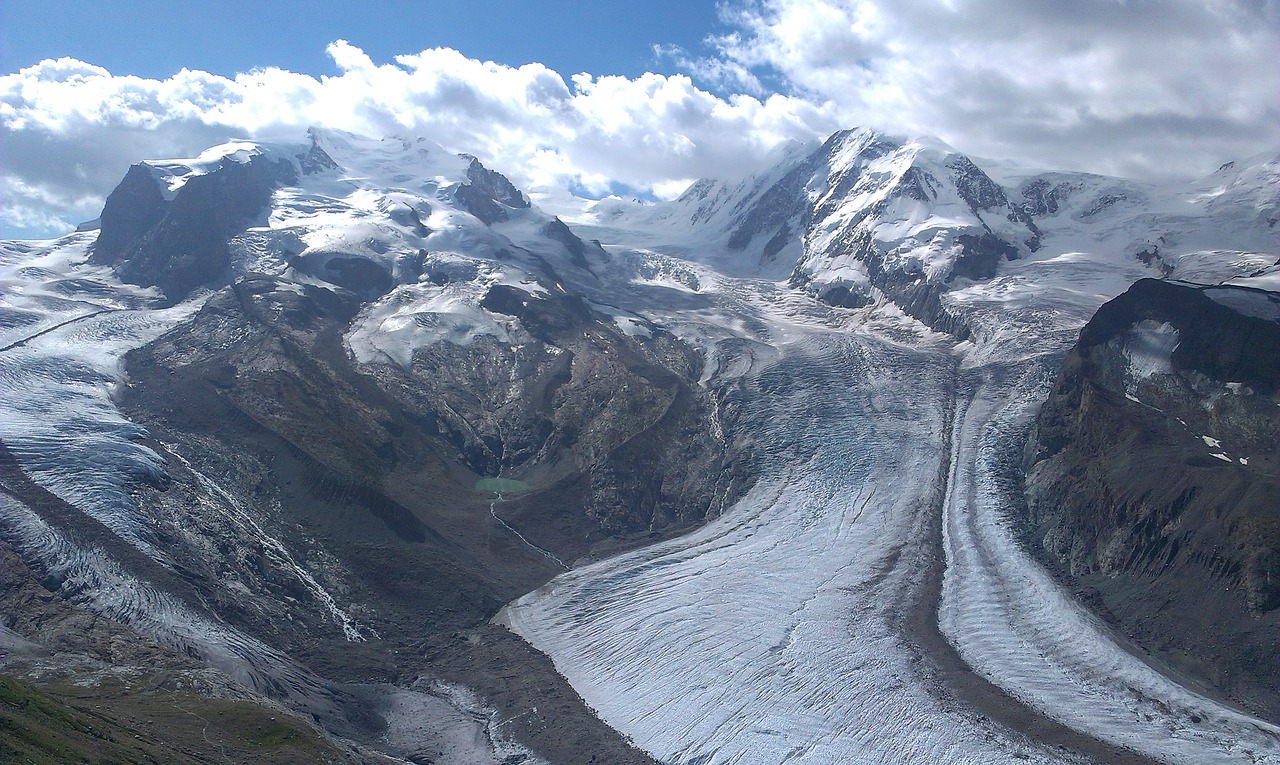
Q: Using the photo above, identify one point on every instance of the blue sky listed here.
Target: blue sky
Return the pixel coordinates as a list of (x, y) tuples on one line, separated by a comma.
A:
[(155, 39), (1141, 88)]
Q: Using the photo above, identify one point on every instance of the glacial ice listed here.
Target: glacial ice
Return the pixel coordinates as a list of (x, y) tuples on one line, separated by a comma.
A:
[(58, 371), (90, 576), (771, 635), (1019, 629), (774, 633)]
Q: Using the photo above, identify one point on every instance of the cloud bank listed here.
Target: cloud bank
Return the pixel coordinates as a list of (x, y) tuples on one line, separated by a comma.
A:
[(71, 129), (1136, 88)]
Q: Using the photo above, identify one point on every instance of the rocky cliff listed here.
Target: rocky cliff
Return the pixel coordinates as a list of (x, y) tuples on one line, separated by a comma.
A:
[(1154, 478)]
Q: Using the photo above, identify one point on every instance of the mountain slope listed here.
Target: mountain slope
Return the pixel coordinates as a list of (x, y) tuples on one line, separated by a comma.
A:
[(866, 219), (307, 436)]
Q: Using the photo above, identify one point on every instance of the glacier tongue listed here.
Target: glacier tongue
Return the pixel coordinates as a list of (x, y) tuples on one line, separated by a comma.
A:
[(1018, 628), (58, 370), (771, 635), (775, 633)]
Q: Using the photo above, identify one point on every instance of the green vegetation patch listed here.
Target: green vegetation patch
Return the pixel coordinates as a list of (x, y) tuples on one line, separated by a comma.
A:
[(501, 485), (117, 726)]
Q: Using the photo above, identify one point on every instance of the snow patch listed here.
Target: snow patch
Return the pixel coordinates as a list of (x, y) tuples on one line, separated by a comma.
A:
[(1148, 349), (173, 174), (415, 316)]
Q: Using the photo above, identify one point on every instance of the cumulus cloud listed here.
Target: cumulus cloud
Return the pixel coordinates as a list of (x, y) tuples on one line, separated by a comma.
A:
[(1136, 88), (1140, 87), (70, 129)]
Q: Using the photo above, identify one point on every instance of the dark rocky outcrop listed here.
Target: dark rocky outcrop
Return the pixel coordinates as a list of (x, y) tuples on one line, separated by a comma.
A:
[(361, 275), (263, 369), (976, 187), (557, 231), (316, 160), (179, 244), (494, 185), (1154, 479), (916, 295), (782, 204), (1042, 197), (843, 296), (480, 205), (132, 210), (980, 256), (489, 194)]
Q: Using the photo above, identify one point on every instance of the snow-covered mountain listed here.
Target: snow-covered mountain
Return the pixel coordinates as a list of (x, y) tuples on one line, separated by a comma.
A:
[(859, 217), (744, 465), (864, 218), (348, 211)]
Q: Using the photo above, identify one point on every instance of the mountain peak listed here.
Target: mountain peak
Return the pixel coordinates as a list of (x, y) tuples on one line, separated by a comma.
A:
[(358, 213), (173, 174)]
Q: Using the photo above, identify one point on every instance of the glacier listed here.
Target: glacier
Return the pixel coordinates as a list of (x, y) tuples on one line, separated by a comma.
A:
[(775, 634)]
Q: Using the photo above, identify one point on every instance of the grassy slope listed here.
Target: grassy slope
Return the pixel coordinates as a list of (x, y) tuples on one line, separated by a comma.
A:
[(72, 724)]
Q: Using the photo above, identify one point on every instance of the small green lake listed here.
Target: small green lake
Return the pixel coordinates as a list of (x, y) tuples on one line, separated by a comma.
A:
[(501, 485)]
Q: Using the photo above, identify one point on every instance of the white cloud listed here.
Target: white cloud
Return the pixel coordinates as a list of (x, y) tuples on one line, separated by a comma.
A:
[(1137, 87), (722, 73), (70, 129)]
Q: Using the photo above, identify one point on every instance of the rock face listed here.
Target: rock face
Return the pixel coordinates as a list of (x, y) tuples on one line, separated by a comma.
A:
[(1154, 478), (276, 441), (488, 193), (178, 241)]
